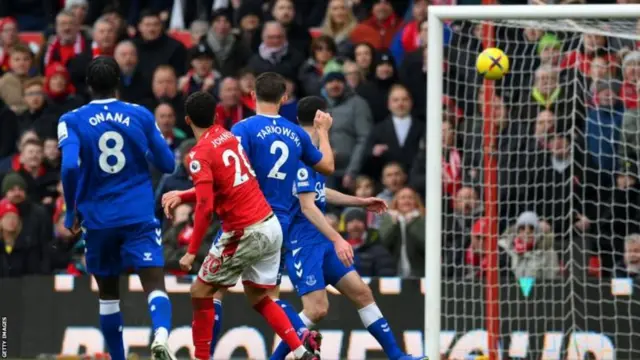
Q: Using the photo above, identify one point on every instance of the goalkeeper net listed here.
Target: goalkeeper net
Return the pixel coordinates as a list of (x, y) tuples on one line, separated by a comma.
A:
[(561, 135)]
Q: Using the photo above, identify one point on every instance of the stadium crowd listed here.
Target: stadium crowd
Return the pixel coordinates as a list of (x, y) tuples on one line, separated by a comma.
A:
[(567, 117)]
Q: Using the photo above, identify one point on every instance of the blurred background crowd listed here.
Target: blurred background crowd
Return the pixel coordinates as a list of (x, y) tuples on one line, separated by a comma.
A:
[(567, 120)]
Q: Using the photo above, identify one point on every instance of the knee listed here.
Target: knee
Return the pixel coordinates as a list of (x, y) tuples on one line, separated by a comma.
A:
[(318, 311), (363, 296)]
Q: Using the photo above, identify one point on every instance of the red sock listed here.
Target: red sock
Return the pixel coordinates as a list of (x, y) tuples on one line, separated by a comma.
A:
[(278, 321), (203, 315)]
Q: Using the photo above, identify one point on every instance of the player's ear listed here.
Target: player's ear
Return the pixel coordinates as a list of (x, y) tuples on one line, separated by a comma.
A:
[(253, 95), (284, 99)]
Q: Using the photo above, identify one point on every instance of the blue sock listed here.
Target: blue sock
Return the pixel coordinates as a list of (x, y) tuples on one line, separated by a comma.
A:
[(282, 350), (160, 311), (378, 326), (111, 325), (217, 325)]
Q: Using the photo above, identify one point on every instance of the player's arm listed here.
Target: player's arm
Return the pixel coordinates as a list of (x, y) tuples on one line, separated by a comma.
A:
[(203, 181), (69, 144), (159, 154), (335, 197)]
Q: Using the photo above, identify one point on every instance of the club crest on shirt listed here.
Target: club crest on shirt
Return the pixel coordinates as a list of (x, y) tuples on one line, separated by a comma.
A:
[(194, 166), (311, 280)]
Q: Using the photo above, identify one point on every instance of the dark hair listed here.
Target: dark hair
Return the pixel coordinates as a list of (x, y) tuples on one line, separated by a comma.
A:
[(323, 41), (33, 142), (307, 108), (148, 13), (21, 48), (270, 87), (103, 76), (200, 107)]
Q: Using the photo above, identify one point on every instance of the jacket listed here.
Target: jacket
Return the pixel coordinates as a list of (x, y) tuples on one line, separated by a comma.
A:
[(541, 262), (391, 236), (352, 122)]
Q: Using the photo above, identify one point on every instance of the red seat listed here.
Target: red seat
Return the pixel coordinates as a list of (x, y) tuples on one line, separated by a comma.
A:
[(183, 36)]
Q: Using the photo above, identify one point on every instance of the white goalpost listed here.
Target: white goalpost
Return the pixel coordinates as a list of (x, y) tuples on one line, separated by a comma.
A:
[(584, 309)]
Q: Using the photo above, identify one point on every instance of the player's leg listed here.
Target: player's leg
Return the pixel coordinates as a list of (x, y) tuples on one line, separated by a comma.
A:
[(103, 261), (142, 250), (217, 320), (203, 316), (304, 266), (265, 239)]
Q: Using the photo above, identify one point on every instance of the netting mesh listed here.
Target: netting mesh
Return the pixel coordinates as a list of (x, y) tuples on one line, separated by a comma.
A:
[(567, 148)]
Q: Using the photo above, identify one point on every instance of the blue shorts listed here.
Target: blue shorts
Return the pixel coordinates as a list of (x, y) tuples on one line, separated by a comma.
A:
[(109, 252), (314, 267)]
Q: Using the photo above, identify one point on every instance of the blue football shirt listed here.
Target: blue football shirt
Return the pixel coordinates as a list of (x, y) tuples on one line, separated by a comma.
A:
[(107, 144), (275, 146), (303, 232)]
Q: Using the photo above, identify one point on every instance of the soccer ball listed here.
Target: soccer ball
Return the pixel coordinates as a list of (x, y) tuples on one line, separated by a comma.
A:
[(492, 63)]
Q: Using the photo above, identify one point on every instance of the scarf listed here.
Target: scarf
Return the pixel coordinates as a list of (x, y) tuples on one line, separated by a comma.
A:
[(629, 95), (228, 117), (221, 47), (545, 102), (193, 78), (273, 55), (451, 174), (248, 101), (96, 51), (53, 51)]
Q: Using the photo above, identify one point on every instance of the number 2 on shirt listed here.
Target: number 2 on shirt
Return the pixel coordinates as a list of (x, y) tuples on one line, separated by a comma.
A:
[(284, 155)]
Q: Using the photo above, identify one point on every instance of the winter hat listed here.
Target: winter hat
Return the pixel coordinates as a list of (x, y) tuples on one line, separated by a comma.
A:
[(528, 218), (12, 180), (548, 41), (200, 50), (355, 214), (221, 13), (6, 207), (333, 71), (384, 58)]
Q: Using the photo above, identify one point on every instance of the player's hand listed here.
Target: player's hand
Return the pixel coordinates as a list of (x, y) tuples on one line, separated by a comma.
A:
[(170, 201), (75, 229), (375, 205), (344, 251), (322, 121), (186, 262)]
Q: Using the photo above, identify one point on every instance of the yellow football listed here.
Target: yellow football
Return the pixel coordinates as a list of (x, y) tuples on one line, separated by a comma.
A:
[(492, 63)]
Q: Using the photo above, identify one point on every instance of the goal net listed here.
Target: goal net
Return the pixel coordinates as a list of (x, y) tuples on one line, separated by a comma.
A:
[(540, 208)]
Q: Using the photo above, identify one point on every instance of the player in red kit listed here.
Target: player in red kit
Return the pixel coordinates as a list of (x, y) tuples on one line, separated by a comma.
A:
[(251, 239)]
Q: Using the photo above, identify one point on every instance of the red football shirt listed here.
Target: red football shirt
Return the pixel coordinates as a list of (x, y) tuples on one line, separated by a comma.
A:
[(225, 183)]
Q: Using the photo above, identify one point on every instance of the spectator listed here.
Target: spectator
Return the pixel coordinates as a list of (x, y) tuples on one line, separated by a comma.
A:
[(104, 38), (338, 24), (352, 121), (529, 250), (631, 79), (8, 39), (202, 76), (20, 63), (155, 48), (630, 267), (133, 86), (402, 232), (549, 50), (166, 120), (363, 55), (284, 12), (249, 17), (474, 260), (60, 92), (397, 138), (408, 39), (458, 223), (41, 182), (179, 180), (394, 178), (230, 54), (164, 88), (384, 76), (37, 115), (198, 29), (604, 121), (111, 14), (323, 51), (7, 163), (384, 21), (67, 45), (51, 152), (364, 188), (592, 45), (413, 73), (36, 226), (230, 110), (370, 257), (247, 83), (79, 9), (275, 54), (17, 258)]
